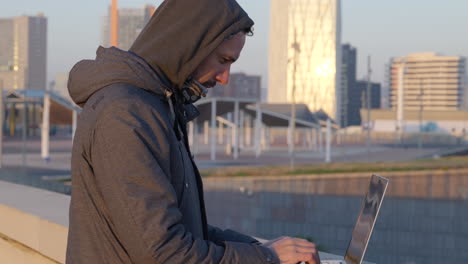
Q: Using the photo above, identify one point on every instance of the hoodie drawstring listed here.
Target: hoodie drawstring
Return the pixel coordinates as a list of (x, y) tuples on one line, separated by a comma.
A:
[(174, 118), (171, 106)]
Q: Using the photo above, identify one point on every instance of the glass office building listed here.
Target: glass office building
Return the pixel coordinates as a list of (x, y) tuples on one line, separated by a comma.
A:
[(305, 54)]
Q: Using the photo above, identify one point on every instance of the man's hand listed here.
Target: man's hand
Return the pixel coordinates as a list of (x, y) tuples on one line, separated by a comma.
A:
[(294, 250)]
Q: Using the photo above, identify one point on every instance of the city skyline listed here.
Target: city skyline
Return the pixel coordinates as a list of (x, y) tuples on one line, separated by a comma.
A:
[(120, 159), (376, 29)]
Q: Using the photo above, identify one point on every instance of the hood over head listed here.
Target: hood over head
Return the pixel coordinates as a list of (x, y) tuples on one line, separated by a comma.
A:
[(112, 65), (182, 33), (179, 36)]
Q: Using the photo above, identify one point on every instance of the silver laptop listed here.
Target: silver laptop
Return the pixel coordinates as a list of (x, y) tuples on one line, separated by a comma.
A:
[(364, 224)]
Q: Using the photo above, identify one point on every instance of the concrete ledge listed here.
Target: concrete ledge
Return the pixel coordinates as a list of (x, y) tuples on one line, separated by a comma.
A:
[(36, 219), (34, 225), (17, 253)]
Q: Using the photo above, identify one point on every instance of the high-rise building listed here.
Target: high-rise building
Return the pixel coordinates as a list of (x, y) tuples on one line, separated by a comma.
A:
[(23, 52), (375, 94), (350, 96), (430, 81), (240, 86), (386, 86), (305, 54), (358, 100), (465, 93), (6, 44), (130, 23)]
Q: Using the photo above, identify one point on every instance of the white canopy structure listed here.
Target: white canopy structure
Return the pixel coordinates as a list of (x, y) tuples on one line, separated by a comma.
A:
[(238, 114), (55, 109)]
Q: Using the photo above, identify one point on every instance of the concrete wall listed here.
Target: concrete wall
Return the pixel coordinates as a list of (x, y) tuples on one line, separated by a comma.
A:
[(33, 225), (424, 218)]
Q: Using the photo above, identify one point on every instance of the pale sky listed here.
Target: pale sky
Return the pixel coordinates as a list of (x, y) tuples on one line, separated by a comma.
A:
[(382, 29)]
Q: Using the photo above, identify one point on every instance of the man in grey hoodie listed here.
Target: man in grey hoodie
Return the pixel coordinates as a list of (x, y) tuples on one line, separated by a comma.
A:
[(137, 195)]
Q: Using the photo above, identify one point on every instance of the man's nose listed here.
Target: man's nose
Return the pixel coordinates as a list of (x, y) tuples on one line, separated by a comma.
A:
[(223, 77)]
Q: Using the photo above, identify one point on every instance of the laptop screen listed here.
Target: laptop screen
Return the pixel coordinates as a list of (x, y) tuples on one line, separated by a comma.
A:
[(366, 220)]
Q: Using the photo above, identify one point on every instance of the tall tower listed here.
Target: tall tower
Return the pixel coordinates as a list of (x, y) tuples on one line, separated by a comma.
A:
[(114, 17), (122, 26), (317, 24), (23, 52), (350, 95)]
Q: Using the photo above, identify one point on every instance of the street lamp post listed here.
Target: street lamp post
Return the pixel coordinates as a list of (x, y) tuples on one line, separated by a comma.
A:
[(292, 137), (45, 151), (368, 105), (24, 132), (401, 100), (421, 92)]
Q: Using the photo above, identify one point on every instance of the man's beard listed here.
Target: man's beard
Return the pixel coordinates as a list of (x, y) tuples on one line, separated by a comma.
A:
[(209, 84)]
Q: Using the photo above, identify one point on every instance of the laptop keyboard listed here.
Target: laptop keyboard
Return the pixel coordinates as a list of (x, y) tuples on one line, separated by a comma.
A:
[(328, 262)]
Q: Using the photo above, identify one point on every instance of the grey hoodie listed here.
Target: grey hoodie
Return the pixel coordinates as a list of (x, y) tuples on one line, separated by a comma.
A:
[(137, 196)]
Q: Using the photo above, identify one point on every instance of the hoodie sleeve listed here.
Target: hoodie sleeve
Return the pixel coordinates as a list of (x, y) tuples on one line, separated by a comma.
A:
[(130, 163), (218, 236)]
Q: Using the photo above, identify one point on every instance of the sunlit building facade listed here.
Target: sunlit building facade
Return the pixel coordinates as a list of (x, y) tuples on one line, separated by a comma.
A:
[(23, 52), (312, 67), (430, 82)]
